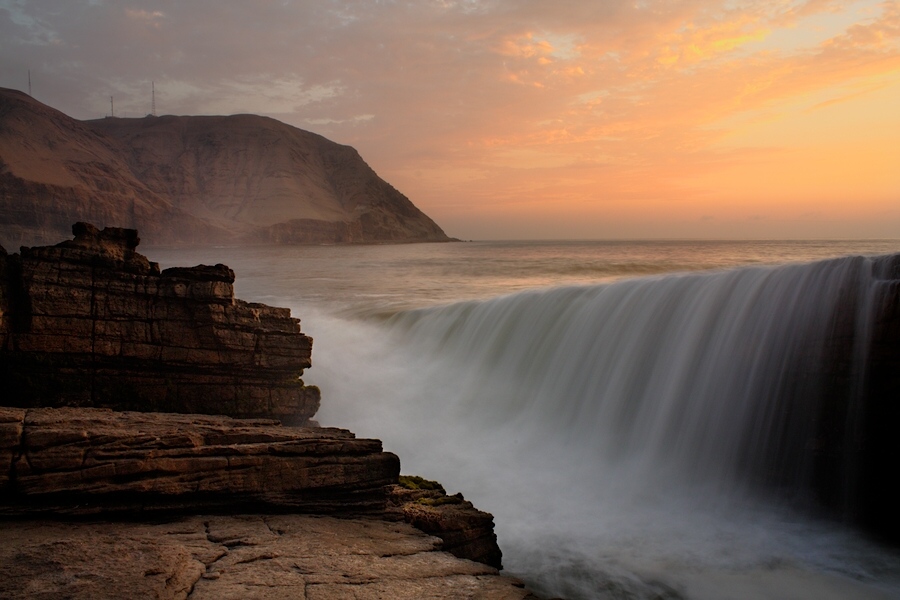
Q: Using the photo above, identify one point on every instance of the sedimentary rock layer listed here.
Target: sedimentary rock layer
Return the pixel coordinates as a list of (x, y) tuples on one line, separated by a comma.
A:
[(91, 322), (248, 556), (95, 461)]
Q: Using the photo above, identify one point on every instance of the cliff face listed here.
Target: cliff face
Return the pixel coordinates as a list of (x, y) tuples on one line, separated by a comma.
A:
[(267, 180), (191, 180), (91, 322), (55, 171)]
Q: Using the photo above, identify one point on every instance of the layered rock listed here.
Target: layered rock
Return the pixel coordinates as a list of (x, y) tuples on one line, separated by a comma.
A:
[(91, 322), (94, 461), (84, 461), (240, 557), (195, 180)]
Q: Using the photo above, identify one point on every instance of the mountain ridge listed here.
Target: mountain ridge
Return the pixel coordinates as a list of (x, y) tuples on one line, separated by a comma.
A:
[(192, 180)]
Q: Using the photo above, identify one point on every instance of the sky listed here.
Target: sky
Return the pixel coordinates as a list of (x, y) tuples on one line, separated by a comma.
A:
[(525, 119)]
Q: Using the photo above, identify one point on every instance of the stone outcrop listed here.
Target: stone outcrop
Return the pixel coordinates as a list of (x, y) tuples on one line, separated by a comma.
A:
[(95, 461), (91, 322), (466, 532), (239, 557), (193, 180)]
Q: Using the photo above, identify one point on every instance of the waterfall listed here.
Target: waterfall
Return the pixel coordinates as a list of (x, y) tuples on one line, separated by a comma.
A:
[(717, 379), (658, 437)]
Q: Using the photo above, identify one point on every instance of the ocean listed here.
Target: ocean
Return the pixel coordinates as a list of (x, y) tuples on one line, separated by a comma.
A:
[(604, 400)]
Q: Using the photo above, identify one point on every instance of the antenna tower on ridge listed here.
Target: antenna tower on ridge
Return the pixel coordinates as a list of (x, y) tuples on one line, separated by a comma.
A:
[(29, 82), (112, 111), (152, 99)]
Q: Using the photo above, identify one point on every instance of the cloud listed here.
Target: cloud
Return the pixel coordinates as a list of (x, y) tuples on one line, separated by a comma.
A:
[(496, 101)]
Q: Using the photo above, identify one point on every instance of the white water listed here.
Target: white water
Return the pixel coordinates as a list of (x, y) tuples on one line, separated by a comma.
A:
[(609, 428)]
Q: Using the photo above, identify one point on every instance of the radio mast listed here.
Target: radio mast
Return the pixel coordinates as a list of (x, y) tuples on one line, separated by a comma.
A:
[(29, 82), (112, 111), (152, 99)]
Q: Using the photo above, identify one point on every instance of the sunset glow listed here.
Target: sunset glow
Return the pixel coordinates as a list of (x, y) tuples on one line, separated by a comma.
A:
[(526, 119)]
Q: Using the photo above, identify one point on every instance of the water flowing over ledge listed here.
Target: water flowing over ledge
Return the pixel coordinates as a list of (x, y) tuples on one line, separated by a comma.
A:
[(714, 377), (701, 411)]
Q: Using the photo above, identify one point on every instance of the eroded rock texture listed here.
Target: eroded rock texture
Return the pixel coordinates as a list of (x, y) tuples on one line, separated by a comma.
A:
[(240, 557), (79, 461), (466, 532), (91, 322)]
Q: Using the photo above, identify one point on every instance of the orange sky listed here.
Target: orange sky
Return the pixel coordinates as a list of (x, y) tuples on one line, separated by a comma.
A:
[(525, 118)]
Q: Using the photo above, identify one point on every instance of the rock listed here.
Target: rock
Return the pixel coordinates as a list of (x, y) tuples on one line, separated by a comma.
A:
[(240, 557), (91, 322), (465, 531), (92, 461), (195, 180), (95, 461)]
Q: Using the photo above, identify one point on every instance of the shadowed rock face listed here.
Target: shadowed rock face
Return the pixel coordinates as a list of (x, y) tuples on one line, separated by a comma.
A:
[(90, 322), (191, 180)]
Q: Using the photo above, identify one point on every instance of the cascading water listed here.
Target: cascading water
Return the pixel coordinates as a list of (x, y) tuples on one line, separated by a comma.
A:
[(629, 436), (702, 375)]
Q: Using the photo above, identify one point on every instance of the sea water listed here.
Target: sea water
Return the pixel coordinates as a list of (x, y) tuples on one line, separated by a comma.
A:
[(602, 399)]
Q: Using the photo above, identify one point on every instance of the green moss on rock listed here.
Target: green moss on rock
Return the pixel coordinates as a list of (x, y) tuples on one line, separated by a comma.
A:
[(414, 482)]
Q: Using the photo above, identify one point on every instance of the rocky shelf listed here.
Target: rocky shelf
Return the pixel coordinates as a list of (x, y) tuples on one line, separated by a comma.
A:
[(297, 557), (145, 453)]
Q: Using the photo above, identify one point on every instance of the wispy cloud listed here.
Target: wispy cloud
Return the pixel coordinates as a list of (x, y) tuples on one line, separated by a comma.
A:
[(590, 112)]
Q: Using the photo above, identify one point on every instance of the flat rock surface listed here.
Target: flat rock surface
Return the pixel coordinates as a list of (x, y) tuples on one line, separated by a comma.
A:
[(238, 557)]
